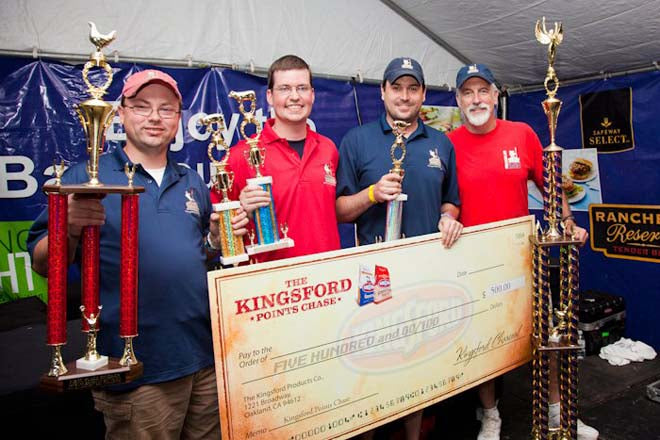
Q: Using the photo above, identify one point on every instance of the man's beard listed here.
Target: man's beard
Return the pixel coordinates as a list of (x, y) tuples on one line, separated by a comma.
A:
[(479, 119)]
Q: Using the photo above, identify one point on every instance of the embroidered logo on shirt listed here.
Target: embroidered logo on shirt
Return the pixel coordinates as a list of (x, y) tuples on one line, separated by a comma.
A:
[(434, 159), (511, 159), (191, 205), (407, 64), (329, 175)]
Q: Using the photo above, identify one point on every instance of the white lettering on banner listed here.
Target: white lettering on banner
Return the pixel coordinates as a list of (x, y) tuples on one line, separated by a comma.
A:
[(178, 140), (13, 276), (24, 176), (115, 131), (194, 125)]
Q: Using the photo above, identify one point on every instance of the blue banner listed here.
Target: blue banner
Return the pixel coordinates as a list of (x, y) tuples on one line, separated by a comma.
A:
[(39, 126)]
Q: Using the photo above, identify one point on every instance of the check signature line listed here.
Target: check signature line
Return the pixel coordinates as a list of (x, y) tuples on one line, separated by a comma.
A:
[(376, 330), (488, 351), (365, 348), (326, 411)]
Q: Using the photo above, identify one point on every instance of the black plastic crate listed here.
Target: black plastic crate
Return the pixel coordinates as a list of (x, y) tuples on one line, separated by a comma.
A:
[(602, 319)]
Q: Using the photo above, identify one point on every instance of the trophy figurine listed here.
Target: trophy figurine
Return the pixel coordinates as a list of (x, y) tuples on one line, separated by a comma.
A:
[(92, 359), (95, 114), (267, 228), (560, 338), (93, 370), (233, 249), (395, 207)]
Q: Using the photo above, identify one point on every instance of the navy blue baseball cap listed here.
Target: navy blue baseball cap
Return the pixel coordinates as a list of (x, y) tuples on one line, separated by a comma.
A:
[(472, 70), (403, 66)]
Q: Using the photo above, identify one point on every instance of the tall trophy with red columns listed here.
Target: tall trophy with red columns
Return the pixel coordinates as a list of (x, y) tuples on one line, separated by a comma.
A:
[(92, 369)]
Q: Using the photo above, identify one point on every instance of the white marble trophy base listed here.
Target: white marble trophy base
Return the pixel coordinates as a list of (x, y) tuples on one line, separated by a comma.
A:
[(91, 364), (226, 261), (224, 206), (283, 243), (263, 180)]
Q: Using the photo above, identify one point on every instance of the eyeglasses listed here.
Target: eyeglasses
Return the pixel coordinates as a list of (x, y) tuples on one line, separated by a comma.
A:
[(146, 111), (287, 90)]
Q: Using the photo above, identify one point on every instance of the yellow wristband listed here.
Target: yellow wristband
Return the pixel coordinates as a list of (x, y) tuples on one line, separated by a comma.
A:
[(372, 198)]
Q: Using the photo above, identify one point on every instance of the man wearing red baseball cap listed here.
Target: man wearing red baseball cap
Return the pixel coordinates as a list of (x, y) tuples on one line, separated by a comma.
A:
[(177, 395)]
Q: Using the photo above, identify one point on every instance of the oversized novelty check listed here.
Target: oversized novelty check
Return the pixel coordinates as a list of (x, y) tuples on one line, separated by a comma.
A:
[(297, 356)]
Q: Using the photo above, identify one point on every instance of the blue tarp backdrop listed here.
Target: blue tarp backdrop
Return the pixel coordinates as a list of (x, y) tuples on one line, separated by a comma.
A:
[(38, 125)]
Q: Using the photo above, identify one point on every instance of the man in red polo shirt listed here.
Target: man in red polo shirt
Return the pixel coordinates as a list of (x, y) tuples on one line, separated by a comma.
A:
[(301, 162)]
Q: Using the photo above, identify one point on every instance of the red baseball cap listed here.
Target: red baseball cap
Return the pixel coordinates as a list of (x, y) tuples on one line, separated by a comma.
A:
[(138, 80)]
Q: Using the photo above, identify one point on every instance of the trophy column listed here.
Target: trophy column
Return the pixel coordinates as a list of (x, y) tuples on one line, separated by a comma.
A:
[(554, 334), (128, 317), (93, 369), (58, 262)]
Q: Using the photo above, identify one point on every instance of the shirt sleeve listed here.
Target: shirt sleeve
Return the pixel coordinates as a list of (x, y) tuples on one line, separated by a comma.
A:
[(536, 151), (205, 206), (347, 168), (450, 183)]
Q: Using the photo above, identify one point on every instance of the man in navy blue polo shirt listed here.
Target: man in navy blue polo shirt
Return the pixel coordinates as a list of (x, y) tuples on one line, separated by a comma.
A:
[(177, 396), (365, 185)]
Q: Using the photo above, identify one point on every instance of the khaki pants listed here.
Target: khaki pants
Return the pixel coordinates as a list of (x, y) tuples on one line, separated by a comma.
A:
[(186, 408)]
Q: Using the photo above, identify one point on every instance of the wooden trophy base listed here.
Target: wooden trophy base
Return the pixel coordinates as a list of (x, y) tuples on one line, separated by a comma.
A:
[(79, 379)]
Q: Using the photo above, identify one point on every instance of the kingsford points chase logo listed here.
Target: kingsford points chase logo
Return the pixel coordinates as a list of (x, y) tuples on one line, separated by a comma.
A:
[(421, 321)]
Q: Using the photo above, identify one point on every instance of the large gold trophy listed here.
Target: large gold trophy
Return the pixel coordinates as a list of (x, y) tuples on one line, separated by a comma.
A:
[(93, 369), (233, 250), (395, 207), (265, 220), (558, 339)]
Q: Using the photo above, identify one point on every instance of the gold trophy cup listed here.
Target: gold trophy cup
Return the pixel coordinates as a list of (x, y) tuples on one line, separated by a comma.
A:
[(395, 207)]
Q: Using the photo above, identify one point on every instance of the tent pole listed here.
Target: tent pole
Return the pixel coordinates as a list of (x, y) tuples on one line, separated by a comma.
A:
[(513, 90)]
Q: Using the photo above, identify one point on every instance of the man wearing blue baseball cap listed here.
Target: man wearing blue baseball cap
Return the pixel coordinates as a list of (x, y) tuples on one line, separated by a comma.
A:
[(365, 184), (494, 159)]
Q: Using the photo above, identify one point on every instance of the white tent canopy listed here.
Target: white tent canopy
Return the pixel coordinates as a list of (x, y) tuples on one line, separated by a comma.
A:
[(346, 38)]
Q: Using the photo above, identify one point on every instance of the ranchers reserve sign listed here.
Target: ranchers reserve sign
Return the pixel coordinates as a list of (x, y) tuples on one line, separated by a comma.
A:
[(626, 231)]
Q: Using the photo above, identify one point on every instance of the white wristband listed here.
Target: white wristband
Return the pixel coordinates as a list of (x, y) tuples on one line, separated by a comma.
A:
[(446, 214)]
